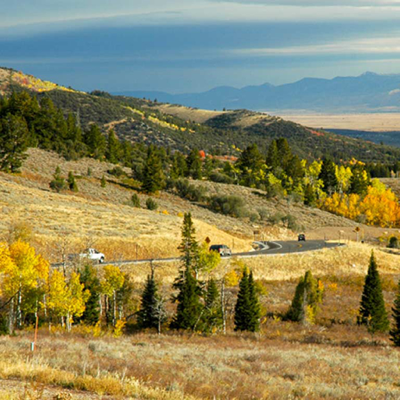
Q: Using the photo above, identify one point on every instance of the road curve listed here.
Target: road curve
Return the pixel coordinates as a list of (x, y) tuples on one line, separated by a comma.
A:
[(266, 248)]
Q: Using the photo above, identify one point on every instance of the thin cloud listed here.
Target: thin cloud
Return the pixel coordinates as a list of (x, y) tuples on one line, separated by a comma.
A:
[(318, 3), (359, 46)]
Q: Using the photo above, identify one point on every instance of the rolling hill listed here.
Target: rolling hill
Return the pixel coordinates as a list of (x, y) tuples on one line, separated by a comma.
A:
[(181, 128)]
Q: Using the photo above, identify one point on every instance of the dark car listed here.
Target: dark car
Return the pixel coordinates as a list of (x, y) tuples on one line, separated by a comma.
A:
[(301, 237), (222, 249)]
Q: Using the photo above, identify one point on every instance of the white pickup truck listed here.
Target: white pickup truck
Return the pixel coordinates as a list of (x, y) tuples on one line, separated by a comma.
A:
[(91, 254)]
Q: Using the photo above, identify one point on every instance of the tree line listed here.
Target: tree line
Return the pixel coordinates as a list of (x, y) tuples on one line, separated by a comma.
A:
[(31, 290)]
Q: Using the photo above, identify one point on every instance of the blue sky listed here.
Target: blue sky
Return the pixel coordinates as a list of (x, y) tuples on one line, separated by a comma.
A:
[(193, 45)]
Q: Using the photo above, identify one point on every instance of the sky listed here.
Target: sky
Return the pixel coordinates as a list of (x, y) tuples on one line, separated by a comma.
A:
[(181, 46)]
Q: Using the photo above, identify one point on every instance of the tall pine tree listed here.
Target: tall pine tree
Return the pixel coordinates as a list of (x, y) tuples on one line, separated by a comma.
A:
[(189, 309), (88, 277), (372, 308), (13, 142), (153, 176), (328, 175), (151, 313), (247, 308)]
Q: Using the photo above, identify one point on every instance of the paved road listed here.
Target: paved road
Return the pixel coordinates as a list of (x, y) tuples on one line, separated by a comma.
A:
[(264, 249)]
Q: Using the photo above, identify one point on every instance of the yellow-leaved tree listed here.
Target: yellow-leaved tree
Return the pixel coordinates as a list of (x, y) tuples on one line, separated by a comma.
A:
[(24, 274), (113, 281), (66, 299)]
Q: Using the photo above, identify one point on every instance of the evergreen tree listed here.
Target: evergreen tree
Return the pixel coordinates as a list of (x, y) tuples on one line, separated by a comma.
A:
[(103, 182), (151, 313), (328, 175), (208, 166), (71, 182), (189, 309), (306, 300), (372, 308), (359, 181), (212, 318), (395, 331), (88, 277), (194, 164), (14, 136), (153, 176), (113, 150), (242, 307), (250, 163), (58, 183), (189, 247), (273, 160), (284, 152), (95, 142), (179, 166)]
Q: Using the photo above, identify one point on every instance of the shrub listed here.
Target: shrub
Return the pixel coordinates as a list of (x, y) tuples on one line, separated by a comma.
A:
[(221, 178), (187, 190), (393, 243), (263, 213), (135, 200), (276, 218), (229, 205), (151, 204), (116, 171)]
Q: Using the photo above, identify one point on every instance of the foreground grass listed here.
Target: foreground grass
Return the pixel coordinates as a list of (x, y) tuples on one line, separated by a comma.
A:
[(236, 366)]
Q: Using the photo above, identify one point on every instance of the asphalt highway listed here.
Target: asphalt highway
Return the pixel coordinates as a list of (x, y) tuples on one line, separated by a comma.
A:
[(264, 248)]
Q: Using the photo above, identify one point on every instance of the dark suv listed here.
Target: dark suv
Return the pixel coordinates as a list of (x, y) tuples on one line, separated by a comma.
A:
[(222, 249), (301, 237)]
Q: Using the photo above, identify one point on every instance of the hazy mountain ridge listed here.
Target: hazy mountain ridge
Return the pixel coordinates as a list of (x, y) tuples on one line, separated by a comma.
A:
[(365, 93)]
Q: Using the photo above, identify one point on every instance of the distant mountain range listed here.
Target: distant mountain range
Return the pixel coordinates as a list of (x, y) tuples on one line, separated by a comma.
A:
[(368, 92)]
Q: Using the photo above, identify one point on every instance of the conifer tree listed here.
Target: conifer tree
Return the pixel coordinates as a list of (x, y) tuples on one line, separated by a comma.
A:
[(113, 150), (95, 142), (328, 175), (13, 142), (189, 247), (212, 317), (306, 300), (153, 176), (284, 152), (372, 308), (189, 309), (273, 160), (103, 182), (194, 164), (71, 182), (91, 315), (242, 307), (58, 183), (152, 313), (359, 180), (395, 331)]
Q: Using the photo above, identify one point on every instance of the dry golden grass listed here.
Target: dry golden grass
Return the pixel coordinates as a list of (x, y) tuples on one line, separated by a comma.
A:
[(187, 113), (365, 122), (273, 365)]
